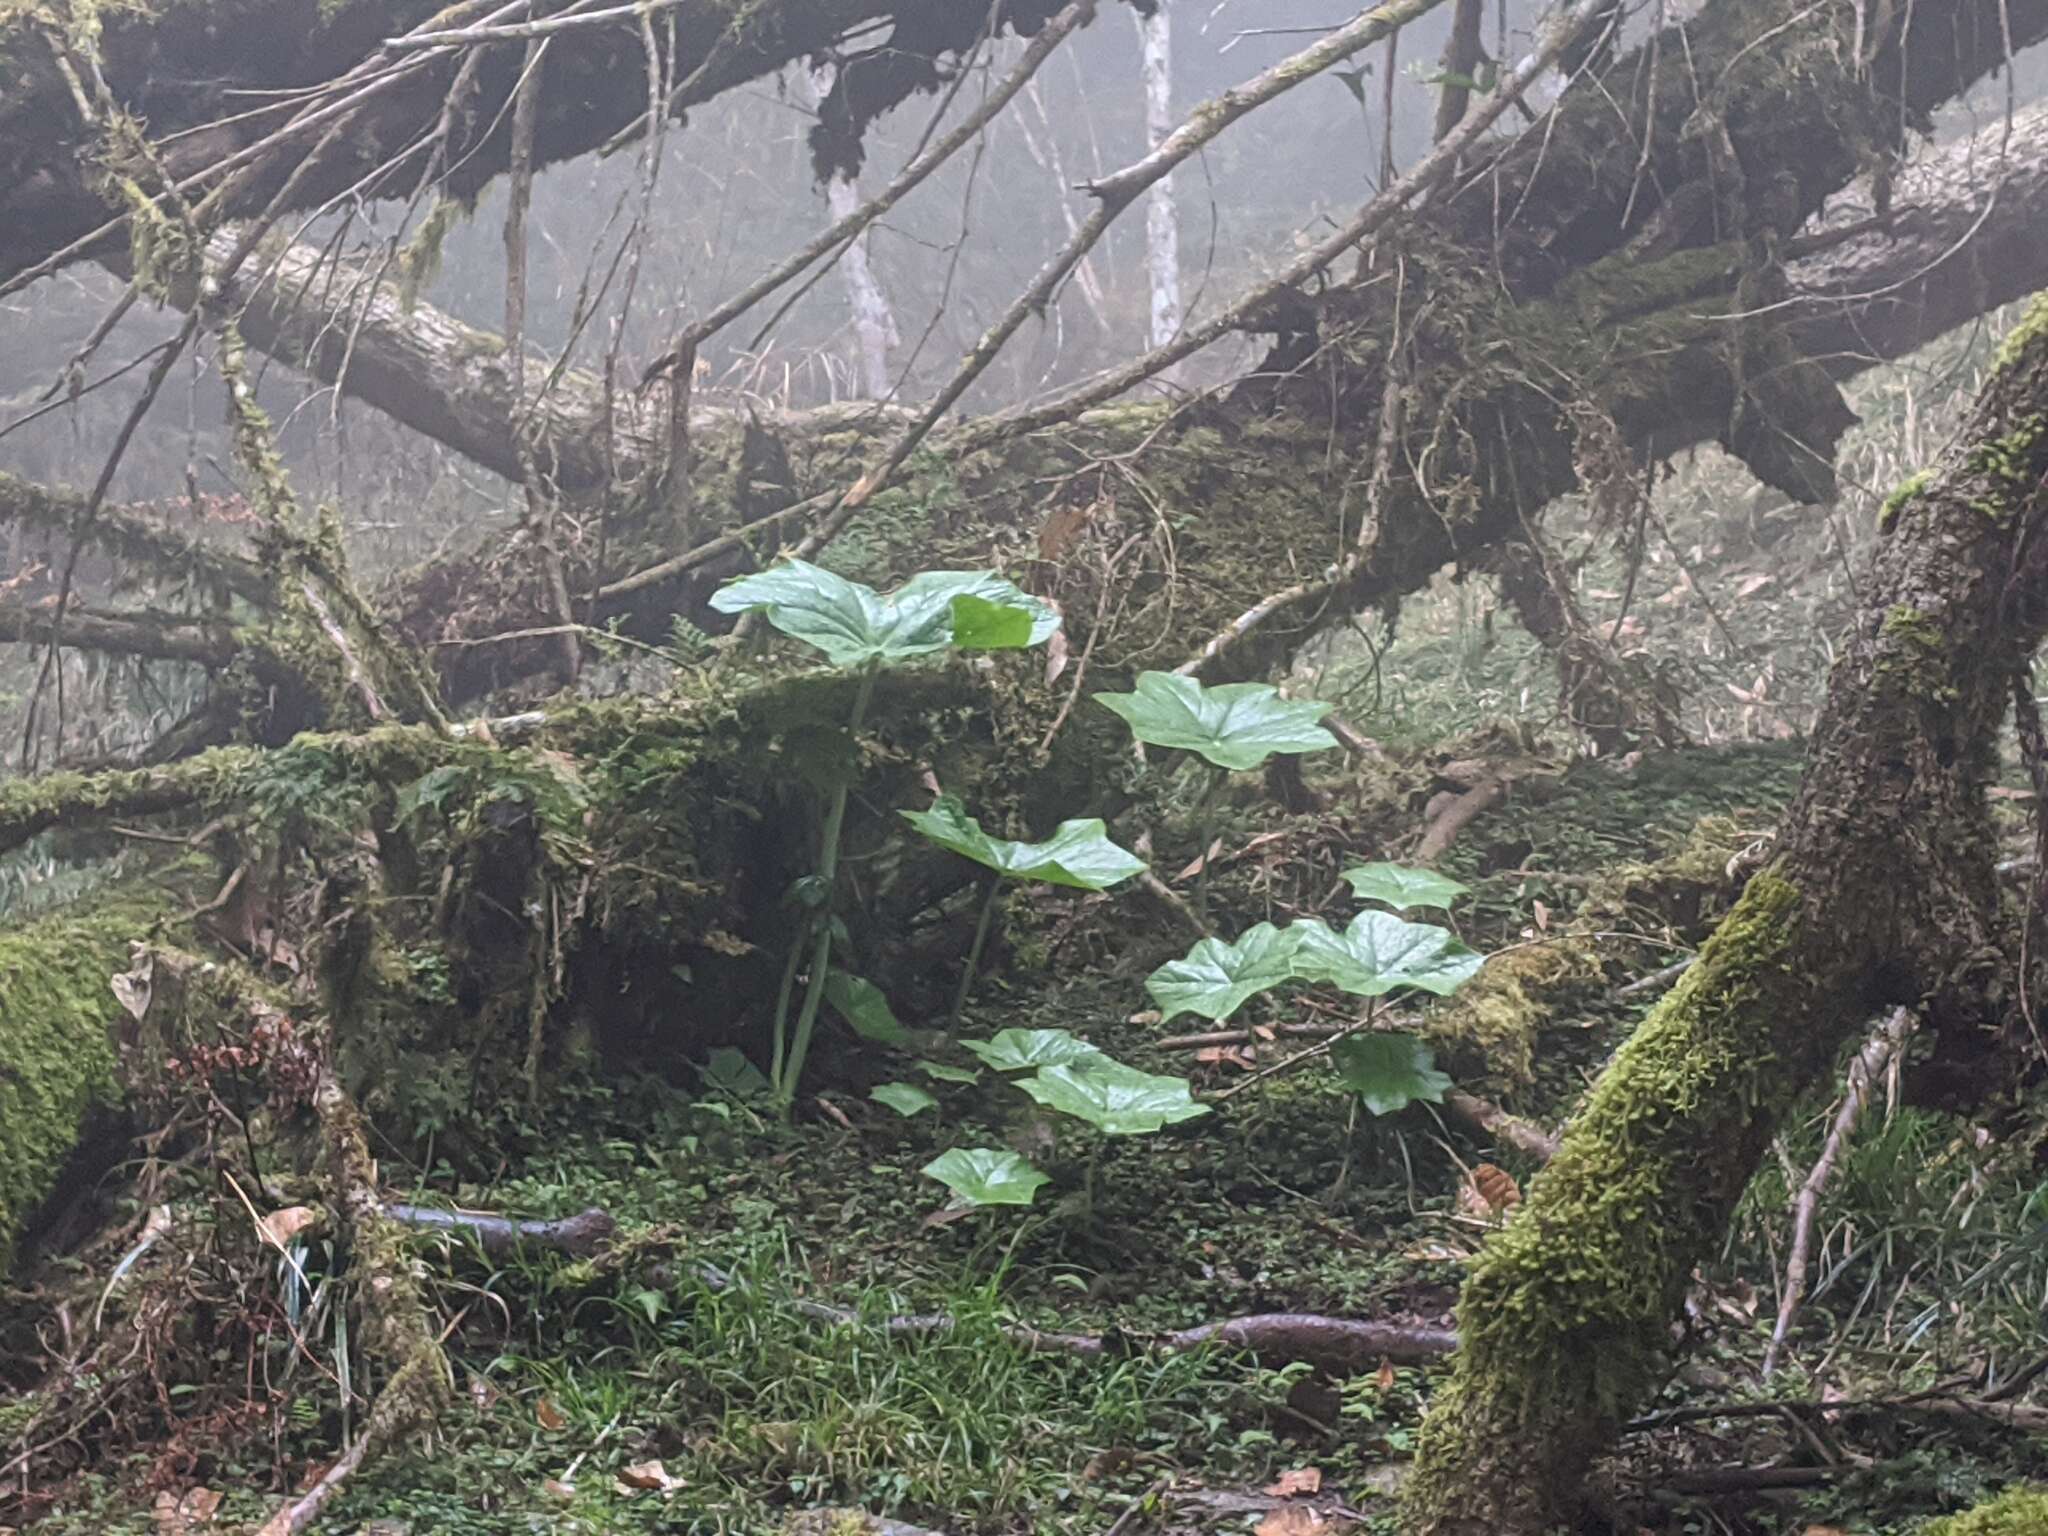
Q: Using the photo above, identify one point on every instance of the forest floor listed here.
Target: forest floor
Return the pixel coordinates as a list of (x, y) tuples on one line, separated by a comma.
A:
[(631, 1395)]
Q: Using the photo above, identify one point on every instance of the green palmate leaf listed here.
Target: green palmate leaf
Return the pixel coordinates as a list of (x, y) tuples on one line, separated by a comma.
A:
[(906, 1099), (1381, 953), (1015, 1050), (1114, 1098), (1079, 854), (1215, 977), (1233, 725), (1389, 1072), (1401, 887), (986, 1176), (863, 1007), (940, 1072), (853, 624)]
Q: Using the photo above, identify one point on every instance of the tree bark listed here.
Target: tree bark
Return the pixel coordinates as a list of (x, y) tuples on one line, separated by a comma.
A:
[(1881, 892), (385, 70)]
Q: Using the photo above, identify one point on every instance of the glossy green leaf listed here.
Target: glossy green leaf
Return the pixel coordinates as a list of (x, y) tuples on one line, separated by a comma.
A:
[(1401, 887), (982, 625), (1215, 977), (1016, 1050), (1233, 725), (986, 1176), (906, 1099), (1079, 854), (1115, 1099), (863, 1006), (853, 624), (1380, 953), (940, 1072), (1389, 1072)]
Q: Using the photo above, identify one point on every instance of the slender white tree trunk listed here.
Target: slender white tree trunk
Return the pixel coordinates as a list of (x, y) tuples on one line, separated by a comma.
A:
[(1162, 223), (874, 322)]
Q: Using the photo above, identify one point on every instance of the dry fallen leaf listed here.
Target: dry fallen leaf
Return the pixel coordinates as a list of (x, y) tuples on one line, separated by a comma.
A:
[(1385, 1379), (1542, 916), (1299, 1520), (1431, 1251), (647, 1477), (1234, 1055), (1055, 656), (280, 1227), (1488, 1193), (548, 1416), (555, 1488), (1300, 1480)]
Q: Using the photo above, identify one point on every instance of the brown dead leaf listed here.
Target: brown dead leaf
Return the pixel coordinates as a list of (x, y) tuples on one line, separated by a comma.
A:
[(177, 1514), (281, 1226), (1542, 916), (1384, 1380), (1496, 1186), (1194, 866), (1300, 1480), (482, 1394), (1823, 1530), (548, 1416), (1148, 1016), (1055, 656), (1299, 1520), (1058, 532), (1227, 1055), (647, 1477), (555, 1488)]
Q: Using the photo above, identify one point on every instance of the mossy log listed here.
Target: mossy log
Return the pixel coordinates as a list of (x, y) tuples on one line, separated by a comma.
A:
[(59, 1066), (1881, 893)]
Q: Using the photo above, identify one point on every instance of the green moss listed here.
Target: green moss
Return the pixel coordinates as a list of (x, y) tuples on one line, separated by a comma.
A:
[(2031, 327), (1563, 1321), (1913, 485), (2016, 1512), (57, 1062), (1915, 654)]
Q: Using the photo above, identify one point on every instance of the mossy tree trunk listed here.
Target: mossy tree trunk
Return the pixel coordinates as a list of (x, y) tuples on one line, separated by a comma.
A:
[(1881, 892)]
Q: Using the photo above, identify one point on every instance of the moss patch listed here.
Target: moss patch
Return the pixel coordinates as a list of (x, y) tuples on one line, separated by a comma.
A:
[(57, 1062), (2016, 1512)]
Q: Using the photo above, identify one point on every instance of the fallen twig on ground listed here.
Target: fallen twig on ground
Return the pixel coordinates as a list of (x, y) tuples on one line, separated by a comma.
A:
[(1864, 1072), (1274, 1337), (1530, 1140)]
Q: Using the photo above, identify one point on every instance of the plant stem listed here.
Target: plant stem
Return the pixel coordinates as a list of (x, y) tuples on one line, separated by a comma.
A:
[(782, 997), (981, 925), (1205, 828), (828, 871)]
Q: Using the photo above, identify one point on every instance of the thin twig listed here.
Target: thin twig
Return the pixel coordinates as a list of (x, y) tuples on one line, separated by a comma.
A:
[(1864, 1072)]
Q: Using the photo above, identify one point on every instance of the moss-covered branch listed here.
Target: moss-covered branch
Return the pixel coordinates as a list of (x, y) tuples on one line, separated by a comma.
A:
[(1881, 892)]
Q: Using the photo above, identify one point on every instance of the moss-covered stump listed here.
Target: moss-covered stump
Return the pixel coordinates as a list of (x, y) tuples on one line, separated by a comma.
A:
[(58, 1060)]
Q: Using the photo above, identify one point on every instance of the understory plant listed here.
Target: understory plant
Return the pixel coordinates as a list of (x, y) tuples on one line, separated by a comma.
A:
[(1379, 954), (863, 631)]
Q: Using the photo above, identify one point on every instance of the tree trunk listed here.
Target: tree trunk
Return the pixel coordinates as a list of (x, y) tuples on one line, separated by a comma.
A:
[(1162, 215), (1881, 892)]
